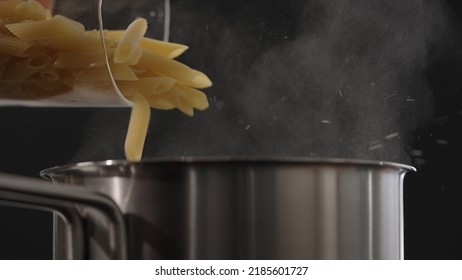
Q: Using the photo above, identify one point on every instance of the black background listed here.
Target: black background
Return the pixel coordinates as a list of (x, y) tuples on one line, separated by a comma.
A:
[(32, 139)]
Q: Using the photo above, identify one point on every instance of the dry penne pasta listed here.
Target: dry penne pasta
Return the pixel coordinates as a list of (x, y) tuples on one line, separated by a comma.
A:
[(168, 49), (91, 41), (142, 73), (135, 58), (94, 74), (28, 10), (195, 97), (58, 32), (26, 68), (119, 73), (137, 128), (129, 43), (7, 8), (79, 60), (44, 55), (160, 102), (180, 99), (122, 72), (146, 86), (19, 10), (172, 68), (10, 45)]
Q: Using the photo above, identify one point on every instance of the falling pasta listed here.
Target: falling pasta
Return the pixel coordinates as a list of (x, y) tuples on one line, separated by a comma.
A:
[(43, 55)]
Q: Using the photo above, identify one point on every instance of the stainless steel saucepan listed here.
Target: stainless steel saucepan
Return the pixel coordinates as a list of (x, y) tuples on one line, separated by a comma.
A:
[(221, 208)]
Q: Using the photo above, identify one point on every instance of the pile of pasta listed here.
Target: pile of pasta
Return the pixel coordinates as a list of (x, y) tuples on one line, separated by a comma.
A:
[(43, 55)]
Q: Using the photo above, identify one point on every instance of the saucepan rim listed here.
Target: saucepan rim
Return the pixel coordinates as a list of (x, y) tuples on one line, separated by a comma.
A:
[(227, 159)]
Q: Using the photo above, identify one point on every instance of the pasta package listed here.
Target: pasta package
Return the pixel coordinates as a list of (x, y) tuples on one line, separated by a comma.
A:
[(52, 57)]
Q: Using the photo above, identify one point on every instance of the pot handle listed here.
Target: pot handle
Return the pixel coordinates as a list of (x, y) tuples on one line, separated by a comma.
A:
[(40, 195)]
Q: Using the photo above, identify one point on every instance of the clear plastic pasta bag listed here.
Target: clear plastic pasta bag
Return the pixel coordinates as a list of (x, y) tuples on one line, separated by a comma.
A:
[(52, 54)]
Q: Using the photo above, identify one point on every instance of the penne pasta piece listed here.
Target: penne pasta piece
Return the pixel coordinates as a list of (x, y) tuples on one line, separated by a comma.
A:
[(168, 49), (122, 72), (109, 41), (80, 60), (58, 32), (28, 10), (24, 69), (159, 102), (142, 73), (91, 40), (119, 72), (10, 45), (92, 74), (169, 67), (7, 8), (129, 42), (195, 97), (135, 58), (36, 49), (137, 128), (48, 14), (131, 62), (145, 86), (180, 99)]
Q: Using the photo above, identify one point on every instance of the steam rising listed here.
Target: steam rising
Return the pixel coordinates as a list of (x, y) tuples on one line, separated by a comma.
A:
[(352, 79), (325, 78)]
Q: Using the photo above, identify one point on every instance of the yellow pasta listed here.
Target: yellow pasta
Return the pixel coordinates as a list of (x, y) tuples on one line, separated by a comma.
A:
[(43, 55), (172, 68), (91, 40), (7, 8), (58, 32), (168, 49), (123, 72), (79, 60), (135, 58), (10, 45), (196, 98), (19, 10), (92, 75), (26, 68), (137, 128), (128, 45), (119, 72), (180, 99), (29, 10), (160, 102), (146, 86)]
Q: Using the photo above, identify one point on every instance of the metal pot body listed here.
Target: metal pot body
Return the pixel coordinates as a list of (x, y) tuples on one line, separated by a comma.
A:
[(244, 209)]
